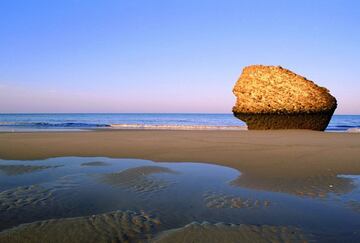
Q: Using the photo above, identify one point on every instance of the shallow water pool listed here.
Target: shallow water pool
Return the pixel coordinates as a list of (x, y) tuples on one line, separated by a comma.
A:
[(139, 200)]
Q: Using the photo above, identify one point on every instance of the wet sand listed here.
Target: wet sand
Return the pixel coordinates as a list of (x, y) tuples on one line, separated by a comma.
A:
[(287, 161), (230, 233), (220, 200), (138, 179)]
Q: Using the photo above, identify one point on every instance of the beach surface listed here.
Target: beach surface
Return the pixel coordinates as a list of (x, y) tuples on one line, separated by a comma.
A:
[(249, 151), (291, 161), (318, 170)]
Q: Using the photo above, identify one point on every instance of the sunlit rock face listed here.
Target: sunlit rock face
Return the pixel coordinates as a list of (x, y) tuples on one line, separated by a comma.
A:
[(272, 97)]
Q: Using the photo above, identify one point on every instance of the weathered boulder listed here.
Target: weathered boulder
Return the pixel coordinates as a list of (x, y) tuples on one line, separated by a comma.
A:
[(272, 97)]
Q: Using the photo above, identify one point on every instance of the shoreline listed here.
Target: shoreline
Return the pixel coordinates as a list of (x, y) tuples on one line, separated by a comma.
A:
[(126, 127)]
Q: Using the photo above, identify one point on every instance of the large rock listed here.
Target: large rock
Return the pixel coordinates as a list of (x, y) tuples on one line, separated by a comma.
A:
[(272, 97)]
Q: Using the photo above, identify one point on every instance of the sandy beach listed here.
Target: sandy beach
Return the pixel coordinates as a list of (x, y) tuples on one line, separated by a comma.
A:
[(287, 154)]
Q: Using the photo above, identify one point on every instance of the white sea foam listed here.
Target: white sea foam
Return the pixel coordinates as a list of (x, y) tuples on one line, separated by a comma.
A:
[(176, 127), (354, 130)]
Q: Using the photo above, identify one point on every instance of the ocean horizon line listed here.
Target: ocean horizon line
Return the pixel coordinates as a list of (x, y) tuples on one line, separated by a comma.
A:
[(180, 113)]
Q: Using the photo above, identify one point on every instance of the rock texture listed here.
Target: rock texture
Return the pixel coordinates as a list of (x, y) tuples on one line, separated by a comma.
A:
[(272, 97)]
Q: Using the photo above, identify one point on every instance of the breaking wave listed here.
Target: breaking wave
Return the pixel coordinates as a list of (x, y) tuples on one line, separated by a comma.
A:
[(176, 127), (52, 125)]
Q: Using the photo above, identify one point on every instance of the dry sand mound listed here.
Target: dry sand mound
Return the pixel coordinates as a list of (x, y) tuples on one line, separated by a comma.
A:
[(139, 179), (116, 226), (230, 233)]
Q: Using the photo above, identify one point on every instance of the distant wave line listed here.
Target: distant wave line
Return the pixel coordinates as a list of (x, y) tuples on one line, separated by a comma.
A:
[(143, 126), (176, 127), (49, 125)]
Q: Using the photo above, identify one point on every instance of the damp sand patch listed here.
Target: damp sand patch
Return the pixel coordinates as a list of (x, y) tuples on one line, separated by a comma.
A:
[(117, 226), (230, 233), (95, 163), (219, 200), (13, 170), (139, 179)]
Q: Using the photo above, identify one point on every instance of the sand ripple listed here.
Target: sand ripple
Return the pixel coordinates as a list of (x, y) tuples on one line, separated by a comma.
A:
[(139, 179), (230, 233), (20, 197), (118, 226), (219, 200)]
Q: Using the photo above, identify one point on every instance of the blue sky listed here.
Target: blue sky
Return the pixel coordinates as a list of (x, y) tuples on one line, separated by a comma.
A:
[(169, 56)]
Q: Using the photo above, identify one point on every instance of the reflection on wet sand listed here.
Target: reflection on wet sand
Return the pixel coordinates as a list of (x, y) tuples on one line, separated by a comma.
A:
[(118, 226), (139, 179), (12, 170), (230, 233), (308, 186)]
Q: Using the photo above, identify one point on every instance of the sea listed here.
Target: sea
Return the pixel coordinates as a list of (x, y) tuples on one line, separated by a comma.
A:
[(88, 121)]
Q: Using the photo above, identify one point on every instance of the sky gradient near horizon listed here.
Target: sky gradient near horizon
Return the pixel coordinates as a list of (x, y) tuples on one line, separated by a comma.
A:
[(169, 56)]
